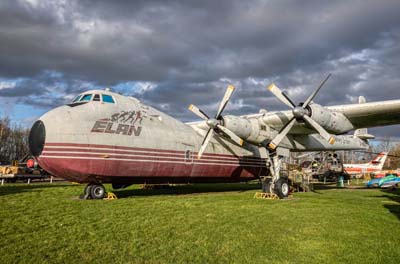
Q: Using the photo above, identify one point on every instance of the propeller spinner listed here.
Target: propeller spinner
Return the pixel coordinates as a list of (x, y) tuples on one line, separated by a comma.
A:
[(215, 123), (300, 113)]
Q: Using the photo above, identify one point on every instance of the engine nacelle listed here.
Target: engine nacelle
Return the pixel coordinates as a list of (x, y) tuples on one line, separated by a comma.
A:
[(240, 126), (333, 122)]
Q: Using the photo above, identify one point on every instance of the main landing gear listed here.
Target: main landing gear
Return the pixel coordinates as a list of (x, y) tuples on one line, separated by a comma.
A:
[(275, 184), (93, 191)]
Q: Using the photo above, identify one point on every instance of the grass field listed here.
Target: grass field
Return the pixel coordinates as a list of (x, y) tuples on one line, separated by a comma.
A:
[(219, 223)]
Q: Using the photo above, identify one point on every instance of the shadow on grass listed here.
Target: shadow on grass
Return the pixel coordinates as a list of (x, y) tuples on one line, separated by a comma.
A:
[(392, 202), (393, 195), (317, 187), (188, 189), (21, 188), (332, 186)]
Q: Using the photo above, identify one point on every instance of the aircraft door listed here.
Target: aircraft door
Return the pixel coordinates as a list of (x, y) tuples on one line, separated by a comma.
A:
[(186, 168), (188, 155)]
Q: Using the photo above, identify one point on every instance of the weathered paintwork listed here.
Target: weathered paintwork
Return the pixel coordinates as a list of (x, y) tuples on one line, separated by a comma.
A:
[(128, 141)]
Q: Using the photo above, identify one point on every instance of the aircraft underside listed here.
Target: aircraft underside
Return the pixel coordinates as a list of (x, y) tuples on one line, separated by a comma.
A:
[(102, 163)]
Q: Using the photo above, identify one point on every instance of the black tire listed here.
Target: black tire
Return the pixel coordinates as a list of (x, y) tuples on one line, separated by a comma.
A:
[(86, 193), (97, 191), (266, 186), (282, 188), (87, 190)]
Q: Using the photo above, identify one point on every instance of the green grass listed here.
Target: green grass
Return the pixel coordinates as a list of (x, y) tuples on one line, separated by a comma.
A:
[(219, 223)]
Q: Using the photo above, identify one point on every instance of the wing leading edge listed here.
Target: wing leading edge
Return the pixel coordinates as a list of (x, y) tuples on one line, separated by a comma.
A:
[(371, 114)]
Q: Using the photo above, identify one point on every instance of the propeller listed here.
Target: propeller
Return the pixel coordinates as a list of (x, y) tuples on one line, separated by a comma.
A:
[(214, 124), (300, 113)]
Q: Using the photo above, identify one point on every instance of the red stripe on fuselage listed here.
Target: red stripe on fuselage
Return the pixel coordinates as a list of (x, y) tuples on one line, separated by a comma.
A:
[(150, 158), (360, 170), (99, 152), (82, 170), (87, 165), (90, 146)]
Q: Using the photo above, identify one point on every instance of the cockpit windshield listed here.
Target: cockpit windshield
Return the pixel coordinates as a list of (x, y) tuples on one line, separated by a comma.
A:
[(107, 98), (85, 98), (77, 98)]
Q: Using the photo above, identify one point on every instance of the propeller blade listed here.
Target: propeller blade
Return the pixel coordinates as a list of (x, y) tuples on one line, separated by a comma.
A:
[(281, 96), (198, 112), (311, 97), (232, 135), (282, 134), (225, 100), (207, 138), (328, 137)]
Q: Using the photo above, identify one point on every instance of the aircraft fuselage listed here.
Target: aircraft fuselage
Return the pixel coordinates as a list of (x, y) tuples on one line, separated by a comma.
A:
[(118, 139), (127, 141)]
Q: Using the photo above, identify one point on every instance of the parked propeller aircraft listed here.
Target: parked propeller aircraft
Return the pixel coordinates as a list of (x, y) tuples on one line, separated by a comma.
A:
[(103, 137)]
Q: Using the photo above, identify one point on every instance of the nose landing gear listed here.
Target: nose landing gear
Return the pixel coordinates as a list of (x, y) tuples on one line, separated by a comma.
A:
[(93, 191)]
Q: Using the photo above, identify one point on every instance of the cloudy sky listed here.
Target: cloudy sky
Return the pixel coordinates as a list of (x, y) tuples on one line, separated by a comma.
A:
[(173, 53)]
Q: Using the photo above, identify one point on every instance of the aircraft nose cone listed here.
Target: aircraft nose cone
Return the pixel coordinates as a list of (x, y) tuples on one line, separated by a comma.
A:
[(37, 137), (212, 122), (299, 112)]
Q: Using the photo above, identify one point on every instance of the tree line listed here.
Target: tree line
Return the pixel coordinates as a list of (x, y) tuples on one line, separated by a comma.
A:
[(13, 141), (393, 161)]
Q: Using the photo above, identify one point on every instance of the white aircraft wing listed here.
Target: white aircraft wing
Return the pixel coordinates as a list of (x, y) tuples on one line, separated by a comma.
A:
[(371, 114)]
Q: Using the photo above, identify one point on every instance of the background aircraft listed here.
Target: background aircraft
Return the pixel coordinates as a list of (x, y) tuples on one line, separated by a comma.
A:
[(104, 137), (374, 165)]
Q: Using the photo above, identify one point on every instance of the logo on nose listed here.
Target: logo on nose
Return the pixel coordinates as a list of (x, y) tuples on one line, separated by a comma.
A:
[(123, 123)]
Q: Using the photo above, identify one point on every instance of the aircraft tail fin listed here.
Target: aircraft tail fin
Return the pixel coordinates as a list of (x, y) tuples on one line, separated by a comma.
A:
[(362, 133), (379, 160)]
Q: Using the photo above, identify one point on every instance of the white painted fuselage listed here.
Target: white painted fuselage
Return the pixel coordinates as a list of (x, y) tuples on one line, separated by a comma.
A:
[(122, 140)]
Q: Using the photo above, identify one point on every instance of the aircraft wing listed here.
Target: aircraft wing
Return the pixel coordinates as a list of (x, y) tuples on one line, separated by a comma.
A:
[(363, 115), (371, 114)]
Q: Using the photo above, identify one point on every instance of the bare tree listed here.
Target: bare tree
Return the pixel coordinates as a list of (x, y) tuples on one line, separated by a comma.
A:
[(13, 141), (393, 158), (386, 144)]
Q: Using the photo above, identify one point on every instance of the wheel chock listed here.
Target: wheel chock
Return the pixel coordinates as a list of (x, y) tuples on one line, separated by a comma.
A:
[(110, 196), (266, 196)]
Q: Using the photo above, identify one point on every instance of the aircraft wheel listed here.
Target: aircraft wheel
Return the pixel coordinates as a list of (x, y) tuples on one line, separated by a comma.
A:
[(97, 191), (86, 193), (282, 188), (266, 186)]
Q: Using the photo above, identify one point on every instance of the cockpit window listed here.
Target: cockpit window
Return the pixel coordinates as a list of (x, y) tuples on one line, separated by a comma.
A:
[(107, 98), (96, 97), (86, 97), (76, 98)]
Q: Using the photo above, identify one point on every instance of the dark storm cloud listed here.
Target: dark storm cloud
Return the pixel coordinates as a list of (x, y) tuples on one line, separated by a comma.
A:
[(47, 90), (112, 41), (190, 50)]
